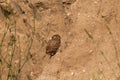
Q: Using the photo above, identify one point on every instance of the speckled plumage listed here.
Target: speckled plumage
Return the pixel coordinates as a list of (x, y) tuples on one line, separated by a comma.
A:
[(53, 45)]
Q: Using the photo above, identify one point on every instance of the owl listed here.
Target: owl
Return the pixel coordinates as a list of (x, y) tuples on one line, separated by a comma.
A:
[(53, 45)]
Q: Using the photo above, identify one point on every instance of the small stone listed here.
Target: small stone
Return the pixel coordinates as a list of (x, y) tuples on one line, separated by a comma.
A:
[(72, 73), (83, 70)]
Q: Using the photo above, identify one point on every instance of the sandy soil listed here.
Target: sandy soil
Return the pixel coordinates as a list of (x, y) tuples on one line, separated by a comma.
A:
[(90, 35)]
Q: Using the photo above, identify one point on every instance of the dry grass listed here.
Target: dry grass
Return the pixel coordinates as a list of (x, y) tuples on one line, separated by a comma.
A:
[(10, 50)]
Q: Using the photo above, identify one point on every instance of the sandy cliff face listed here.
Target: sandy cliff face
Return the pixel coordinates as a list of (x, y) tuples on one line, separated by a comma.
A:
[(89, 31)]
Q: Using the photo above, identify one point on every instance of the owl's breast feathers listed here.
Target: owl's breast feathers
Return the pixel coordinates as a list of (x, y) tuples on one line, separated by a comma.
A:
[(52, 46)]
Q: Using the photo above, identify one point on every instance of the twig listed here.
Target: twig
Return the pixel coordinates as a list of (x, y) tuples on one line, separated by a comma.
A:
[(89, 35)]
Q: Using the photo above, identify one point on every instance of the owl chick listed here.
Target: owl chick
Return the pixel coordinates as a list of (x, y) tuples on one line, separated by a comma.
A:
[(53, 45)]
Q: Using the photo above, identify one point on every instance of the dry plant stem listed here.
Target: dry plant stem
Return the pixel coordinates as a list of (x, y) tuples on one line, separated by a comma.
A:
[(30, 43), (102, 53), (19, 64), (27, 57), (114, 44), (5, 33), (29, 47), (1, 44), (10, 65)]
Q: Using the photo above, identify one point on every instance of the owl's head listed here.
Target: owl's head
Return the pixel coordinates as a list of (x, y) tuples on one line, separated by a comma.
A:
[(56, 37)]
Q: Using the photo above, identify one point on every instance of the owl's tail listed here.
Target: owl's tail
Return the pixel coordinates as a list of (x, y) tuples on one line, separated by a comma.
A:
[(50, 57)]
